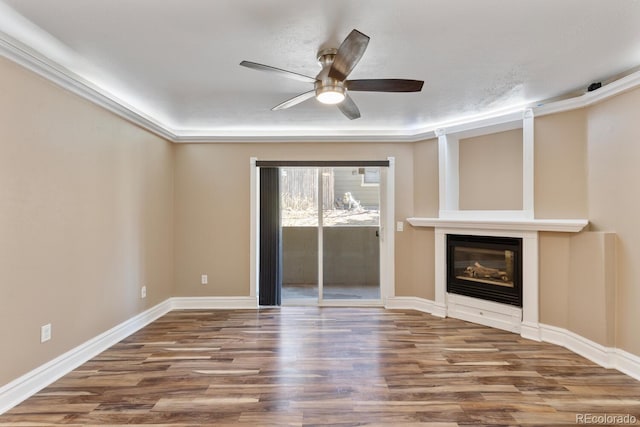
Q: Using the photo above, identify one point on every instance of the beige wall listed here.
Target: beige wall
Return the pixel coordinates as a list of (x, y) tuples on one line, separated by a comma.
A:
[(85, 219), (560, 165), (590, 282), (592, 286), (554, 252), (212, 209), (613, 135), (426, 204), (490, 175), (426, 179), (560, 185), (577, 283)]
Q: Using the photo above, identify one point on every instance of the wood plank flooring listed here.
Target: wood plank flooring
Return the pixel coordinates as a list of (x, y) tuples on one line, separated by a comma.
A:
[(328, 366)]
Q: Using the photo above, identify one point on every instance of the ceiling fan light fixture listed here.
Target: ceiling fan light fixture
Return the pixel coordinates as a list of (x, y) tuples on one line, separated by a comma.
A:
[(330, 94)]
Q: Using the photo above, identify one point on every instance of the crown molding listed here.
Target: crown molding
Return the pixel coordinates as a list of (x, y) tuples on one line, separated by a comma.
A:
[(614, 88), (500, 122), (23, 55), (55, 73), (309, 136)]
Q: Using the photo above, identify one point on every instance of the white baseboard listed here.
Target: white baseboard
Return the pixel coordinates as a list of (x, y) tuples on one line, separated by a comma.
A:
[(530, 331), (213, 303), (597, 353), (627, 363), (410, 303), (30, 383), (607, 357), (439, 310)]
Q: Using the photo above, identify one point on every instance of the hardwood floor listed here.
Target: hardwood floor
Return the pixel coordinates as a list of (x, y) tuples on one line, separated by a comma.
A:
[(328, 366)]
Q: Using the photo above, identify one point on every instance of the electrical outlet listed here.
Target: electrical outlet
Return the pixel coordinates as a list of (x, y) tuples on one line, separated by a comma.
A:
[(143, 292), (45, 333), (204, 279), (400, 226)]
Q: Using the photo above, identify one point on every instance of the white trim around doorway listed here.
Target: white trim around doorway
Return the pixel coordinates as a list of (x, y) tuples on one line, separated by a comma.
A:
[(387, 247)]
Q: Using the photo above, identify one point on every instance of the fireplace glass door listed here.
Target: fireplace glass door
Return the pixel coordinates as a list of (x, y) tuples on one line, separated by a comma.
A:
[(485, 267)]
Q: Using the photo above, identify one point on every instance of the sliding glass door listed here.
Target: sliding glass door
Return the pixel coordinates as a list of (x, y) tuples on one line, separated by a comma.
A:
[(330, 218)]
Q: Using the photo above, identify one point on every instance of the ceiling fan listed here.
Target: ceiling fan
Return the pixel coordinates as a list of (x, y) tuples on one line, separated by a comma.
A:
[(331, 85)]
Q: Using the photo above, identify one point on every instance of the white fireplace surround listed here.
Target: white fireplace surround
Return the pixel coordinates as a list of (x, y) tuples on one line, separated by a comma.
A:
[(524, 321)]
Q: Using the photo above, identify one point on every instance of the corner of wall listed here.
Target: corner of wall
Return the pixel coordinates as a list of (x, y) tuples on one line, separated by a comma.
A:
[(591, 308)]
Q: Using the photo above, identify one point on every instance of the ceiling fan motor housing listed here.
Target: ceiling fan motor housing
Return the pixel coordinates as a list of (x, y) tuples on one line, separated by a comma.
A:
[(328, 90)]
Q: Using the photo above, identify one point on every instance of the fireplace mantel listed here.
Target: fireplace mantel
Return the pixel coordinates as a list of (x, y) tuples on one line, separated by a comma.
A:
[(516, 224), (524, 321)]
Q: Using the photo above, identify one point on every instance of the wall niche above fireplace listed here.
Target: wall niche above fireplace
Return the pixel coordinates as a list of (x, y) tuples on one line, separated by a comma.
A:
[(485, 267)]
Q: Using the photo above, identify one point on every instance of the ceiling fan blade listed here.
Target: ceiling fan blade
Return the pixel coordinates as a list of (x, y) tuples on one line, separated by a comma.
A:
[(295, 100), (385, 85), (349, 53), (349, 108), (283, 73)]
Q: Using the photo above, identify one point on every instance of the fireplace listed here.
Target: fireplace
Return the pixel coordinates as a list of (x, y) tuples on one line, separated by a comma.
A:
[(484, 267)]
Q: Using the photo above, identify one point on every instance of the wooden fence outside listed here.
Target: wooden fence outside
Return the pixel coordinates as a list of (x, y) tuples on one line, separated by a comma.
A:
[(299, 188)]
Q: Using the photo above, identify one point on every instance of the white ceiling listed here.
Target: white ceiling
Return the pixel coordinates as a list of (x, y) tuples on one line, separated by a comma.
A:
[(176, 61)]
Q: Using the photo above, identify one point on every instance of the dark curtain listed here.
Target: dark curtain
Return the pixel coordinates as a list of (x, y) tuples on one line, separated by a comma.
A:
[(270, 280)]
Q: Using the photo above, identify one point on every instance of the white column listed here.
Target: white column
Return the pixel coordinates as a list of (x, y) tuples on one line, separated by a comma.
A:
[(440, 305), (448, 148), (527, 164), (530, 327)]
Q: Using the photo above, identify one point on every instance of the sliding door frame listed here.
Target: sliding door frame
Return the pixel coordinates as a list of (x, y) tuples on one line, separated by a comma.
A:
[(387, 235)]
